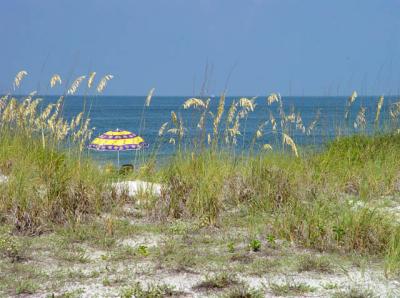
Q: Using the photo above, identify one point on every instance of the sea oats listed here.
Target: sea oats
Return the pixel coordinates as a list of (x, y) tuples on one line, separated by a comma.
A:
[(350, 101), (54, 80), (149, 96), (18, 78), (231, 112), (5, 97), (378, 109), (299, 123), (267, 147), (29, 97), (272, 120), (32, 94), (394, 110), (220, 111), (353, 97), (208, 103), (42, 117), (182, 129), (273, 97), (91, 79), (179, 130), (162, 129), (174, 118), (200, 124), (3, 101), (234, 131), (9, 113), (76, 121), (235, 128), (392, 114), (103, 82), (243, 113), (360, 121), (289, 141), (31, 111), (72, 124), (46, 112), (209, 139), (260, 130), (291, 117), (247, 104), (53, 118), (314, 122), (75, 85), (194, 102)]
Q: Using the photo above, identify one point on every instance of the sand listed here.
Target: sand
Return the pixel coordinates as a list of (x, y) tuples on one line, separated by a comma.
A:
[(135, 187)]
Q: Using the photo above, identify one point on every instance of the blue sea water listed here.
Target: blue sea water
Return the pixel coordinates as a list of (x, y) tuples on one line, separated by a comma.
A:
[(128, 113)]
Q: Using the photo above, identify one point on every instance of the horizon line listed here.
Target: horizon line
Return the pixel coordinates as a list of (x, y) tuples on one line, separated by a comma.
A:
[(199, 96)]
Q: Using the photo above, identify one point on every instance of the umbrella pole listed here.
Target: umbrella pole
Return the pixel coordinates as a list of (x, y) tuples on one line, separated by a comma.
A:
[(118, 157)]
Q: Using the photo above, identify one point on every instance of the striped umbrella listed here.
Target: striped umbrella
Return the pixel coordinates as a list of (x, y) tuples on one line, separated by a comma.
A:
[(118, 140)]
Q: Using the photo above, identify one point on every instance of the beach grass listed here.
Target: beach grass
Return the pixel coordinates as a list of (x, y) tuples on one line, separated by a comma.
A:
[(336, 201)]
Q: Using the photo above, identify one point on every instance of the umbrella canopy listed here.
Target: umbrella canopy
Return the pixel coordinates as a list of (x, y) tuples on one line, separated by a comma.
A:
[(118, 140)]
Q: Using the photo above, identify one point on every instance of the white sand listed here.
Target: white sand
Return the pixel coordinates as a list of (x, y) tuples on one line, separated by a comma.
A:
[(137, 186)]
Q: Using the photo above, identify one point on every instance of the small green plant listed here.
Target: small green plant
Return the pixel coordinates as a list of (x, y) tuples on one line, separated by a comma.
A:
[(217, 281), (330, 286), (255, 245), (314, 263), (69, 294), (106, 282), (76, 254), (290, 289), (271, 239), (151, 291), (180, 227), (354, 292), (123, 252), (244, 291), (10, 247), (26, 287), (231, 247), (263, 266), (143, 250), (339, 233)]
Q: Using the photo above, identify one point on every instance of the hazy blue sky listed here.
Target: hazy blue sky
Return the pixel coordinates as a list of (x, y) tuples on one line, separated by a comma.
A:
[(312, 47)]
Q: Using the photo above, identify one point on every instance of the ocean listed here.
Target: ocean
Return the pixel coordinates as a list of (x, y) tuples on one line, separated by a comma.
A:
[(128, 112)]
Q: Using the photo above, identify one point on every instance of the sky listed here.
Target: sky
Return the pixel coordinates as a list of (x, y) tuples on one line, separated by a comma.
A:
[(181, 47)]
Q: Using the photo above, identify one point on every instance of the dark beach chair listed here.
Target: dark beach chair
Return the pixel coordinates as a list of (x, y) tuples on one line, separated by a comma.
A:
[(126, 169)]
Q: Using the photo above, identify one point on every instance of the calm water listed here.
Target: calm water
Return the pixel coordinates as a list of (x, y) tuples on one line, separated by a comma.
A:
[(125, 112)]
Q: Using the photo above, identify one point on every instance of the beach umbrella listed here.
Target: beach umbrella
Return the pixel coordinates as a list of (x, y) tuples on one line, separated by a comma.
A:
[(118, 140)]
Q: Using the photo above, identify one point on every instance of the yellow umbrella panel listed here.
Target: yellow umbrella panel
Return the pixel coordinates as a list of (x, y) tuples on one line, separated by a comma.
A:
[(118, 140)]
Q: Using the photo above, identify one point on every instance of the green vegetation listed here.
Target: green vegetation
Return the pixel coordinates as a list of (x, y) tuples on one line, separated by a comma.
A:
[(290, 289), (315, 263), (218, 211), (255, 245), (151, 291), (244, 291), (354, 293), (218, 281)]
